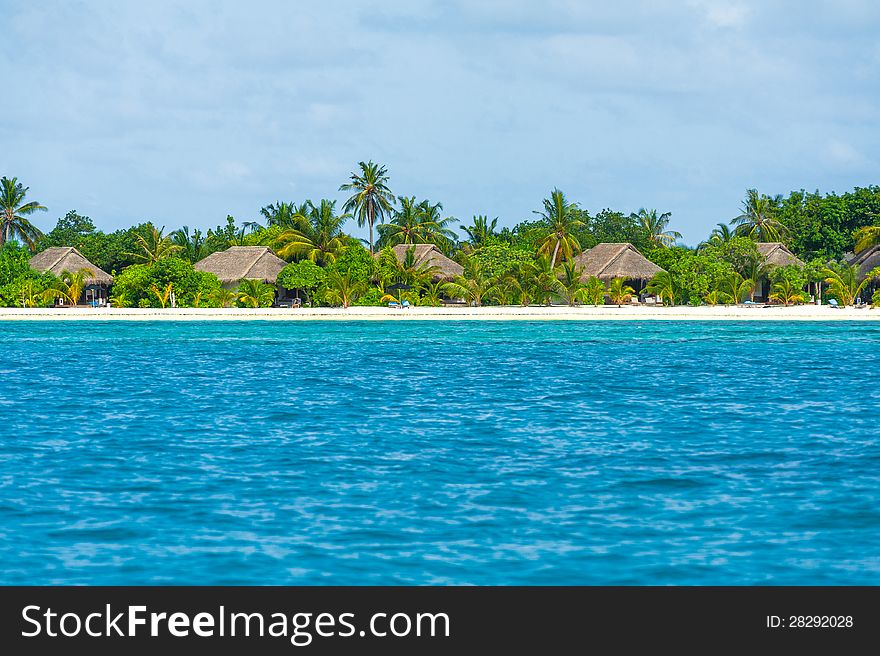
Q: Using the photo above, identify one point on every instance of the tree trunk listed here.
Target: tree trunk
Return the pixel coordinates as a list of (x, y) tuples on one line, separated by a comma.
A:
[(555, 252), (370, 219)]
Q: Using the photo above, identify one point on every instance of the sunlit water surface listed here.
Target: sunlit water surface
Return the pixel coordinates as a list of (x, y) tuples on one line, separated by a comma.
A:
[(440, 453)]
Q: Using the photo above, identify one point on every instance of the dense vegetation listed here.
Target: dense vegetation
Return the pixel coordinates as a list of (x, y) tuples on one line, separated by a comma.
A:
[(532, 262)]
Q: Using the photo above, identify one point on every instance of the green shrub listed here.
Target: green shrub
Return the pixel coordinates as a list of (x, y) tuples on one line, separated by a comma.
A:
[(131, 288)]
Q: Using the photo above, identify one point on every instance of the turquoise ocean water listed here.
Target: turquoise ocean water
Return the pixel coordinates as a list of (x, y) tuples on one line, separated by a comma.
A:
[(440, 452)]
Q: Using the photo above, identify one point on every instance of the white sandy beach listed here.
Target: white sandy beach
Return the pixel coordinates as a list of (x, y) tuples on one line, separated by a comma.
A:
[(505, 313)]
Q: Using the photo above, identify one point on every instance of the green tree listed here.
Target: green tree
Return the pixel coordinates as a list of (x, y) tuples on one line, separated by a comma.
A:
[(305, 276), (416, 223), (69, 286), (561, 219), (721, 234), (222, 297), (620, 292), (371, 200), (256, 293), (736, 288), (406, 271), (343, 288), (318, 236), (480, 230), (757, 219), (594, 291), (569, 284), (193, 246), (843, 282), (866, 237), (474, 286), (132, 287), (655, 226), (162, 295), (787, 293), (154, 247), (15, 213), (520, 282), (284, 215), (663, 286), (498, 258)]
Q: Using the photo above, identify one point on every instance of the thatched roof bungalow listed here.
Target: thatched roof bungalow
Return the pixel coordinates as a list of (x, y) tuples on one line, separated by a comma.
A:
[(428, 255), (867, 260), (777, 254), (243, 263), (622, 260), (58, 259)]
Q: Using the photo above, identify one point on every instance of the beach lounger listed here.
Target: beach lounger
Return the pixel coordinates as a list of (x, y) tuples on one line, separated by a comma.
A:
[(405, 305), (833, 303), (394, 304)]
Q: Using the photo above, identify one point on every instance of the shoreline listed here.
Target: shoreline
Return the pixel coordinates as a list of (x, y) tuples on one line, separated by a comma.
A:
[(487, 313)]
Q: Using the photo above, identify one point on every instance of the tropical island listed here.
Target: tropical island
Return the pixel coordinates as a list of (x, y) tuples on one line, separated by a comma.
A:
[(804, 248)]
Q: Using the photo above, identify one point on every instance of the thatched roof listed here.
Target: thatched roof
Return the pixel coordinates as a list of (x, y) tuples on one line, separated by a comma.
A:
[(58, 259), (867, 260), (609, 261), (428, 255), (777, 254), (243, 263)]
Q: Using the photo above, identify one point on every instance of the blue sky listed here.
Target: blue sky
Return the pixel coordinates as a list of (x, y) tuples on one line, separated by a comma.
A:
[(182, 113)]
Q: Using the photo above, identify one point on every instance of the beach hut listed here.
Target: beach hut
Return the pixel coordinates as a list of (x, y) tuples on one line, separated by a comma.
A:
[(775, 254), (59, 259), (428, 255), (243, 263), (239, 263), (867, 261), (617, 260)]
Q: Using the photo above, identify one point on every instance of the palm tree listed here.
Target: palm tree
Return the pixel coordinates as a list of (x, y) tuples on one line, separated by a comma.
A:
[(372, 200), (407, 271), (68, 286), (843, 282), (435, 228), (545, 281), (866, 237), (284, 215), (714, 297), (520, 282), (655, 225), (32, 293), (663, 286), (480, 230), (620, 292), (474, 285), (163, 294), (562, 219), (757, 270), (223, 297), (255, 293), (787, 293), (317, 236), (193, 247), (432, 292), (416, 223), (343, 289), (720, 235), (15, 212), (154, 247), (594, 291), (569, 284), (756, 219), (734, 286)]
